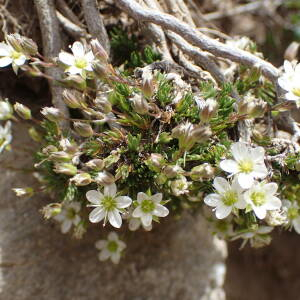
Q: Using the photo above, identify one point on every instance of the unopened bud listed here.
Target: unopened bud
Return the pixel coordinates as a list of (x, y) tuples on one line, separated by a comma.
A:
[(52, 114), (51, 210), (28, 46), (81, 179), (104, 178), (83, 129), (6, 110), (202, 172), (73, 99), (49, 149), (98, 51), (103, 104), (147, 83), (23, 111), (172, 171), (155, 162), (60, 156), (161, 179), (209, 110), (74, 81), (35, 135), (165, 137), (65, 168), (100, 69), (24, 192), (96, 164), (140, 104), (15, 41), (259, 109)]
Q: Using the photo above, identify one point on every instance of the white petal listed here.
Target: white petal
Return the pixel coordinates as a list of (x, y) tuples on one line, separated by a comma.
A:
[(245, 180), (76, 220), (212, 200), (73, 70), (273, 203), (264, 229), (5, 50), (137, 213), (89, 56), (229, 165), (110, 190), (157, 197), (121, 245), (221, 185), (66, 226), (257, 154), (141, 196), (101, 244), (239, 151), (20, 61), (112, 236), (115, 257), (66, 58), (5, 61), (291, 96), (114, 218), (97, 215), (104, 255), (288, 67), (259, 171), (223, 211), (134, 224), (260, 211), (146, 219), (284, 84), (94, 197), (296, 224), (123, 201), (236, 186), (271, 188), (241, 204), (160, 211), (78, 49), (88, 68)]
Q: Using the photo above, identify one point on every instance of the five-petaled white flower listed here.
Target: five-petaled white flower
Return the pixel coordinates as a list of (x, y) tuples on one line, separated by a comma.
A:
[(79, 62), (68, 216), (8, 55), (248, 164), (292, 210), (290, 81), (5, 136), (180, 186), (6, 110), (228, 196), (110, 248), (149, 206), (261, 198), (107, 205)]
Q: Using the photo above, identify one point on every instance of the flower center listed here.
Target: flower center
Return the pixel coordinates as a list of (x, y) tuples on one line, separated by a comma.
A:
[(229, 198), (258, 198), (15, 55), (71, 213), (296, 91), (147, 206), (109, 203), (293, 213), (112, 246), (80, 63), (246, 166)]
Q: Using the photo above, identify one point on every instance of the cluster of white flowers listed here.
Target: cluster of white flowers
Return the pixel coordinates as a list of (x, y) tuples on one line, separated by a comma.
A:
[(244, 192)]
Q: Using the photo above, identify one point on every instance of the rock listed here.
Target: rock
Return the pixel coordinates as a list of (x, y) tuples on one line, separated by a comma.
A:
[(179, 259)]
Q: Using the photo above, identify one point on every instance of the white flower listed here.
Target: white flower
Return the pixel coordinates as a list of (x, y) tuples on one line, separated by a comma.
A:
[(135, 223), (8, 55), (290, 81), (248, 164), (5, 136), (292, 210), (79, 62), (180, 186), (241, 43), (110, 248), (228, 196), (68, 216), (261, 198), (107, 205), (149, 206), (6, 110)]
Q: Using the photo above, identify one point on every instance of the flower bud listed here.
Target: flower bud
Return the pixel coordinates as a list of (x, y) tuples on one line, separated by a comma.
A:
[(67, 146), (98, 51), (155, 162), (209, 110), (74, 81), (83, 129), (23, 111), (73, 99), (49, 149), (297, 165), (100, 69), (65, 168), (6, 110), (161, 179), (104, 178), (103, 104), (140, 104), (259, 109), (147, 83), (60, 156), (35, 135), (15, 41), (28, 46), (52, 114), (172, 171), (24, 192), (81, 179), (51, 210), (96, 164), (202, 172)]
